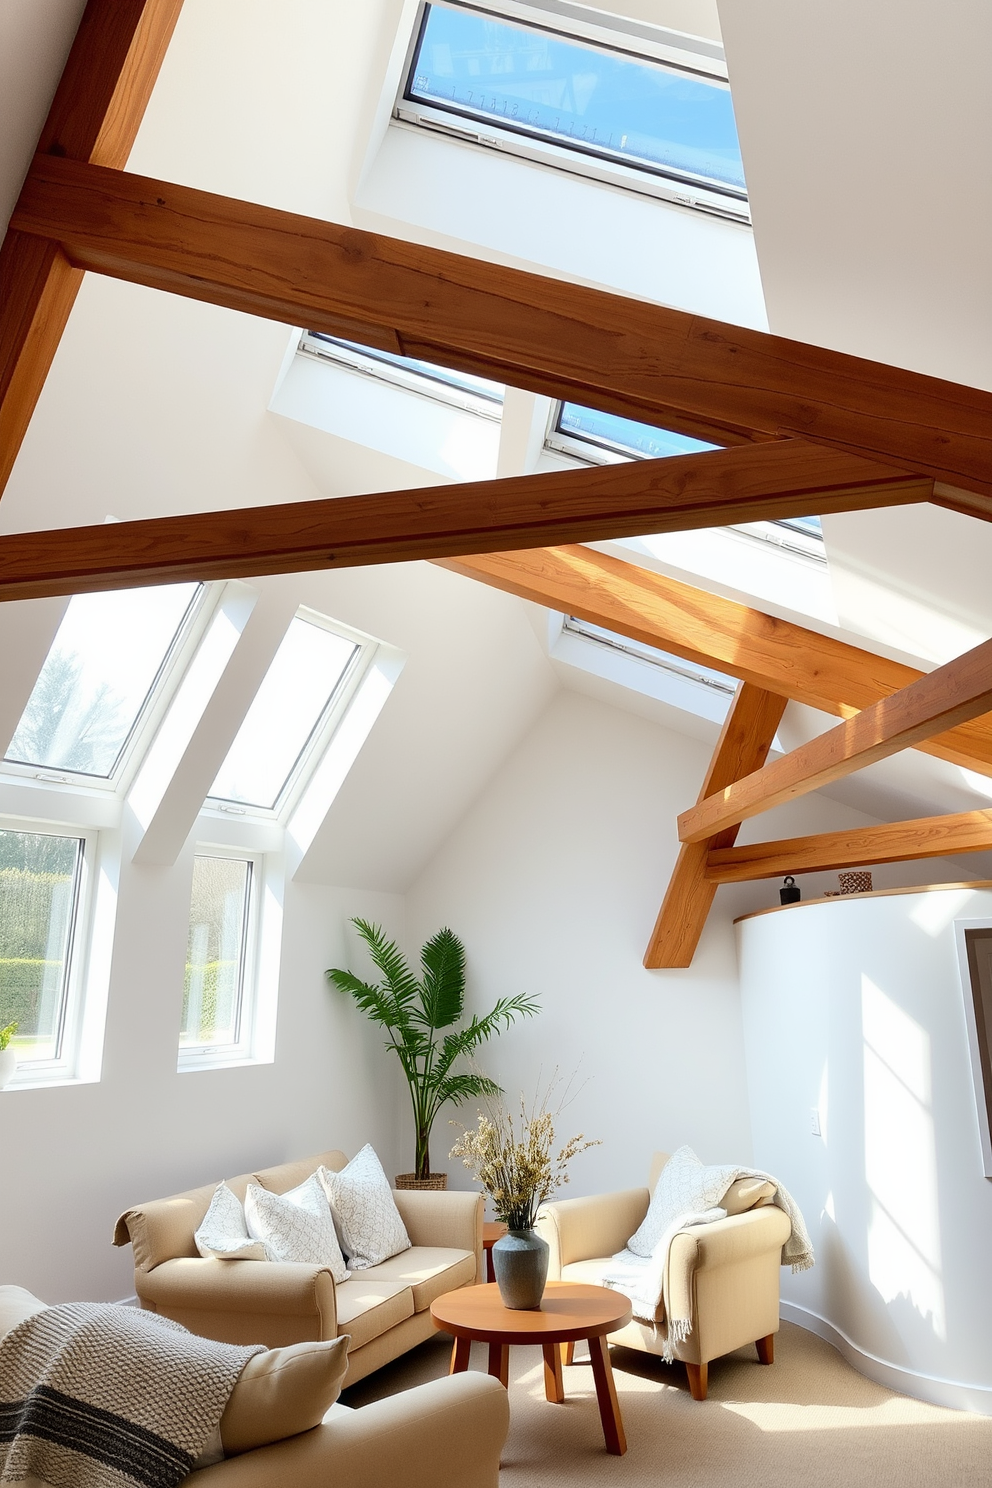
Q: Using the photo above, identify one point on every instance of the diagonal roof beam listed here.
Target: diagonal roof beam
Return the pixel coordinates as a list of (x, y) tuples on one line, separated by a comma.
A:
[(704, 628), (952, 694), (94, 118), (740, 484), (622, 355)]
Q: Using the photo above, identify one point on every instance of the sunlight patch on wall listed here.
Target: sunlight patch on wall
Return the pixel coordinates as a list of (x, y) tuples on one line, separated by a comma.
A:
[(935, 912), (904, 1259)]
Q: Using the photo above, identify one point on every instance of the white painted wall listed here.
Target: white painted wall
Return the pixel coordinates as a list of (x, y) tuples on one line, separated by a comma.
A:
[(856, 1008), (553, 879), (76, 1156)]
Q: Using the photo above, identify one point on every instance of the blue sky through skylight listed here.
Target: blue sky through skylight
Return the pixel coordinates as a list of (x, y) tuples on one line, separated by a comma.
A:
[(626, 435), (576, 94)]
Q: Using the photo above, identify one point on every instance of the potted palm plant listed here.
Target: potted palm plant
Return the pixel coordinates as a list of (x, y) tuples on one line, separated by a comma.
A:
[(421, 1016)]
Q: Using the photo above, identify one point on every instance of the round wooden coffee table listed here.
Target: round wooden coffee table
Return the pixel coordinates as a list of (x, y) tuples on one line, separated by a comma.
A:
[(569, 1312)]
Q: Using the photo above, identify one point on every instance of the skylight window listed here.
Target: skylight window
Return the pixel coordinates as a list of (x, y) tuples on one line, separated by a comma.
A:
[(606, 438), (640, 651), (655, 112), (105, 667), (476, 394), (300, 696)]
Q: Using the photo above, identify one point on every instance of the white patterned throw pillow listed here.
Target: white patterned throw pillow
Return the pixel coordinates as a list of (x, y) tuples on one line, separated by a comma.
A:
[(365, 1211), (686, 1186), (224, 1233), (296, 1226)]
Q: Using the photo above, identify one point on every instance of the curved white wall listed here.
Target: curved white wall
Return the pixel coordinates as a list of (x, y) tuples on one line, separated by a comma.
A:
[(855, 1008)]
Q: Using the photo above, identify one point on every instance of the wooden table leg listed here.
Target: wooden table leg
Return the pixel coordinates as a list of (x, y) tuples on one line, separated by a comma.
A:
[(568, 1353), (499, 1363), (606, 1393), (460, 1351), (554, 1388), (490, 1268)]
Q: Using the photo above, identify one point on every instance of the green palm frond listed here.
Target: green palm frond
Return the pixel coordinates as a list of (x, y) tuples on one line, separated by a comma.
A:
[(413, 1012), (388, 957), (443, 960)]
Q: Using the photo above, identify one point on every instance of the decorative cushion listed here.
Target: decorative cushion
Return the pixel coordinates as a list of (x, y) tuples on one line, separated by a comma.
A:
[(296, 1226), (747, 1193), (16, 1306), (365, 1211), (224, 1233), (283, 1392), (686, 1186)]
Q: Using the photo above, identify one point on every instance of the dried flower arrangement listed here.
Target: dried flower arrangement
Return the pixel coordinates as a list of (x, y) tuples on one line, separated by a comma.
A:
[(513, 1156)]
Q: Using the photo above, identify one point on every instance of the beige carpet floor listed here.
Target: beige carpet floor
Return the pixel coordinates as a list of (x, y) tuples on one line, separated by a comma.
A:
[(809, 1421)]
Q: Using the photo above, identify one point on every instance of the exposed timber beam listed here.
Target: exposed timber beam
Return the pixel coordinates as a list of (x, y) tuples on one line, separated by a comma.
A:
[(94, 118), (894, 842), (950, 695), (742, 747), (620, 354), (704, 628), (429, 522)]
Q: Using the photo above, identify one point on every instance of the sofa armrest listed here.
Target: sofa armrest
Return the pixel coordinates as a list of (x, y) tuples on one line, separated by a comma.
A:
[(584, 1229), (244, 1289), (726, 1242), (446, 1434), (450, 1218)]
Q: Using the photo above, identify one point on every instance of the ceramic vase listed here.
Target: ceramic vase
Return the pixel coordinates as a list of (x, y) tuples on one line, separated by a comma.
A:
[(520, 1262), (8, 1064)]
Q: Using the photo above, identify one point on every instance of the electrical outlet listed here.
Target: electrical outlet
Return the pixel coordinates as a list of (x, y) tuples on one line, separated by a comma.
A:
[(814, 1122)]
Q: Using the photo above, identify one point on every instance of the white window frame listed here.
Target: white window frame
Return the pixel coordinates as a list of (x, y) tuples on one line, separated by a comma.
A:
[(597, 635), (244, 1049), (65, 1068), (780, 534), (160, 694), (369, 365), (333, 715), (638, 40)]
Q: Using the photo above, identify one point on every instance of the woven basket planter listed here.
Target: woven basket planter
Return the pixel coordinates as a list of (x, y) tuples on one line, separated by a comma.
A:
[(435, 1181)]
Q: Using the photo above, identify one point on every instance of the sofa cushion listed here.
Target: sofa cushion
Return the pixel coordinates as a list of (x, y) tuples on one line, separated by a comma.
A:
[(296, 1226), (590, 1273), (223, 1231), (428, 1270), (368, 1307), (283, 1392), (16, 1306), (365, 1211)]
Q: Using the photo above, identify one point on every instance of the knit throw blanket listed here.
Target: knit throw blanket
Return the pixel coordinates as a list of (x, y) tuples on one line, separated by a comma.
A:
[(688, 1193), (95, 1395)]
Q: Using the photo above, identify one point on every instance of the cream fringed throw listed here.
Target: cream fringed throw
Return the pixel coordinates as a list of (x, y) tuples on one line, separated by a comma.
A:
[(688, 1193), (94, 1395)]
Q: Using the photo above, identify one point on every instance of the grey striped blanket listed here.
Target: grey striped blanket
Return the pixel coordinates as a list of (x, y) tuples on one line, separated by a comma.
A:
[(94, 1395)]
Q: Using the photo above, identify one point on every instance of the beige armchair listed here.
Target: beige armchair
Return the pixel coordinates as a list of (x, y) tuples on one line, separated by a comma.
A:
[(724, 1276)]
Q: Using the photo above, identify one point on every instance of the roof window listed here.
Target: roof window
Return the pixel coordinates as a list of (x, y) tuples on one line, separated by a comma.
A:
[(459, 389), (101, 680), (630, 103), (302, 696)]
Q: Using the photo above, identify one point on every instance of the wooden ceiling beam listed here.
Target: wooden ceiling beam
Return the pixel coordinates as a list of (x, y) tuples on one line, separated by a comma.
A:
[(893, 842), (710, 631), (98, 106), (743, 746), (950, 695), (739, 484), (619, 354)]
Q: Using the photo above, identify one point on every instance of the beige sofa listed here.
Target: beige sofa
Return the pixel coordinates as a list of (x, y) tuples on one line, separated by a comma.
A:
[(446, 1434), (385, 1310), (727, 1273)]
